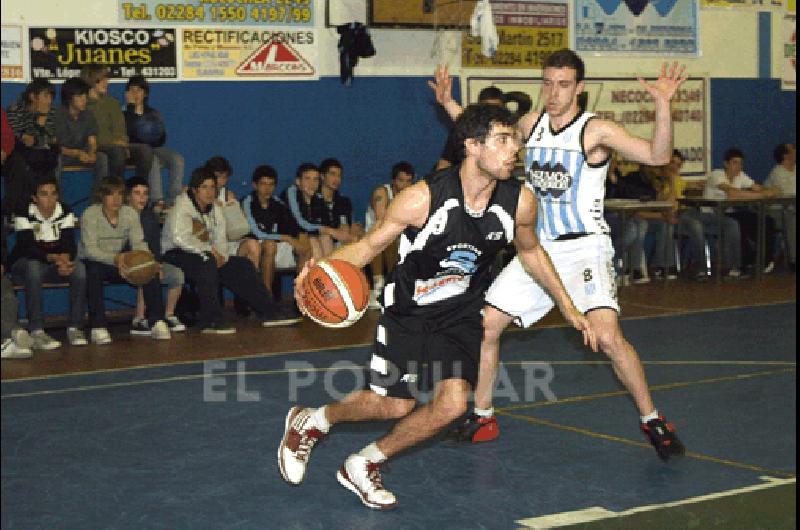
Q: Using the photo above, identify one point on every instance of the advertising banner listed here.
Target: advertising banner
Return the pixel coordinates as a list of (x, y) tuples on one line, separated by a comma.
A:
[(527, 31), (789, 62), (12, 57), (249, 54), (60, 53), (663, 27), (625, 101), (228, 12)]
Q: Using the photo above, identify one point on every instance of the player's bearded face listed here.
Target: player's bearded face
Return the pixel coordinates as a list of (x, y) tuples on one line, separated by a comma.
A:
[(560, 90), (499, 152)]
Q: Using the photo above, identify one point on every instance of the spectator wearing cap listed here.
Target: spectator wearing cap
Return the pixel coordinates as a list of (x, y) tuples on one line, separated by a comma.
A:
[(146, 126)]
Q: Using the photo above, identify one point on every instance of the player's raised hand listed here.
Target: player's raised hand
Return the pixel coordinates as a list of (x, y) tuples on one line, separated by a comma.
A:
[(442, 85), (298, 284), (667, 84)]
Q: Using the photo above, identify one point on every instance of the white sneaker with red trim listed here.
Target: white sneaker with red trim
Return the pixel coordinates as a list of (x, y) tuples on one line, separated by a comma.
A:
[(299, 438), (363, 478)]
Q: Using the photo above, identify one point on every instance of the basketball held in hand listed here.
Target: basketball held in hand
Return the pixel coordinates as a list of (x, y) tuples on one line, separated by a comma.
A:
[(141, 266), (335, 293)]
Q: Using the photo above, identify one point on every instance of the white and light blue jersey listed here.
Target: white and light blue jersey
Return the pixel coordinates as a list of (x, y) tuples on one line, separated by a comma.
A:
[(569, 189)]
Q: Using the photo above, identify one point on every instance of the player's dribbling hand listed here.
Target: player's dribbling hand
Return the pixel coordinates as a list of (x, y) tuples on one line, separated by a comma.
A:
[(298, 284), (442, 85), (668, 82)]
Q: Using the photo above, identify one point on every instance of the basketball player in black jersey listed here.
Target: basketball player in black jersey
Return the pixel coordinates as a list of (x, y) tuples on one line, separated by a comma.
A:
[(451, 224)]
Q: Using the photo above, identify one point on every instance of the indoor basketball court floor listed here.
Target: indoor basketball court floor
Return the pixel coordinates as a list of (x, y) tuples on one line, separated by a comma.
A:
[(193, 444)]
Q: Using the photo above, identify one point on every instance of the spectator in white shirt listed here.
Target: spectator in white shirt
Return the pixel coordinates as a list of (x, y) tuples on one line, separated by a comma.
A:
[(784, 177)]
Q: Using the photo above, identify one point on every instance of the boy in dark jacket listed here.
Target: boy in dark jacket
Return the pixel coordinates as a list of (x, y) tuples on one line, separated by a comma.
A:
[(45, 252)]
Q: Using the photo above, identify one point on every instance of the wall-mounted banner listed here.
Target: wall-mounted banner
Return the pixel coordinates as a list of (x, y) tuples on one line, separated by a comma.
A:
[(278, 54), (12, 56), (789, 62), (60, 53), (625, 101), (228, 12), (528, 32), (662, 27), (757, 5)]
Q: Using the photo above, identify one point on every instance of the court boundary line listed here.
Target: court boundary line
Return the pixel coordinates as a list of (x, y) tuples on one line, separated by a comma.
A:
[(510, 329), (645, 445), (599, 513)]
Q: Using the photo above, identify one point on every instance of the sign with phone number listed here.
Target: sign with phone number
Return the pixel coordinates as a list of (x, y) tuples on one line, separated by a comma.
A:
[(519, 47), (198, 12)]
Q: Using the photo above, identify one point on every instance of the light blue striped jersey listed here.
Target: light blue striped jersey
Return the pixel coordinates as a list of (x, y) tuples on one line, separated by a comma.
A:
[(569, 189)]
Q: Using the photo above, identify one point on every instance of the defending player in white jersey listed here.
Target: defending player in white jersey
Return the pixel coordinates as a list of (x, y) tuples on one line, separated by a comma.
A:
[(566, 158)]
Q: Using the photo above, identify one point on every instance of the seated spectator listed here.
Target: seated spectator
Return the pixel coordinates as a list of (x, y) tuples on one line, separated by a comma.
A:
[(112, 136), (308, 207), (732, 182), (194, 239), (16, 340), (170, 275), (32, 118), (338, 208), (76, 129), (402, 177), (45, 252), (783, 177), (688, 224), (271, 223), (108, 228), (247, 246), (145, 126)]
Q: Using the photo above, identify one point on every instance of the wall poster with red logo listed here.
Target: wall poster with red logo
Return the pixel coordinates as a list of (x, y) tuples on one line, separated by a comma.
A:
[(279, 54)]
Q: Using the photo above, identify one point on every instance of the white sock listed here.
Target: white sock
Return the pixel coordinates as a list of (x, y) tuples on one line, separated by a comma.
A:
[(378, 282), (372, 453), (484, 413), (652, 416), (320, 421)]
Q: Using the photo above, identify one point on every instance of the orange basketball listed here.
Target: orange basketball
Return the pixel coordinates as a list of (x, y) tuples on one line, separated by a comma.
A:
[(142, 266), (335, 293)]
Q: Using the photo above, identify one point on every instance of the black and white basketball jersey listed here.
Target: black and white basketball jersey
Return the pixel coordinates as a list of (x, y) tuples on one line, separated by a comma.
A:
[(447, 263)]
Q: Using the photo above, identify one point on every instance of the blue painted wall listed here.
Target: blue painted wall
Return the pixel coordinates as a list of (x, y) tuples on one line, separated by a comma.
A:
[(368, 126), (754, 115)]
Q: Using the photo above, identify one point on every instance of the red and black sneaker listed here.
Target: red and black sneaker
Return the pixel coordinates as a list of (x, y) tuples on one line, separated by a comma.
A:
[(474, 429), (662, 435)]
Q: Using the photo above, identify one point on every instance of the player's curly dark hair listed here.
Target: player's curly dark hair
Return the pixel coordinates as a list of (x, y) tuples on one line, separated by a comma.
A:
[(476, 122), (566, 58)]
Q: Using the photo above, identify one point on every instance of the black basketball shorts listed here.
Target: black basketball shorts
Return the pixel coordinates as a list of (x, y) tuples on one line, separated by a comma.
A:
[(412, 354)]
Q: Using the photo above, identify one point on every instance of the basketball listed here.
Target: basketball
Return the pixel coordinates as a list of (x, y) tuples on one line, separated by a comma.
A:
[(335, 293), (148, 131), (142, 266)]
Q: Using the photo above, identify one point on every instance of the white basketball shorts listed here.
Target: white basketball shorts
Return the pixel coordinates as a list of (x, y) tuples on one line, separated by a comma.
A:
[(585, 267)]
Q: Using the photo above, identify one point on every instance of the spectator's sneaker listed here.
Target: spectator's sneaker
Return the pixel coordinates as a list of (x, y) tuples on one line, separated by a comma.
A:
[(12, 350), (299, 439), (363, 478), (174, 323), (769, 267), (160, 331), (140, 327), (639, 278), (474, 429), (736, 274), (100, 336), (282, 317), (672, 273), (662, 435), (701, 276), (43, 341), (22, 338), (218, 328), (75, 337)]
